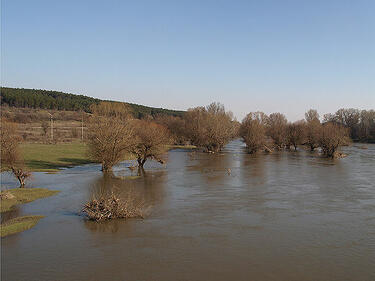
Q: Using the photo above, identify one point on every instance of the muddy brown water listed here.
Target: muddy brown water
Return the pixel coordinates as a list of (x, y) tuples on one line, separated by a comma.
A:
[(228, 216)]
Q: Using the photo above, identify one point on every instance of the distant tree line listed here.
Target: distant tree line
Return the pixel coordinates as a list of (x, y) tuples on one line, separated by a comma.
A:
[(361, 123), (53, 100), (260, 132)]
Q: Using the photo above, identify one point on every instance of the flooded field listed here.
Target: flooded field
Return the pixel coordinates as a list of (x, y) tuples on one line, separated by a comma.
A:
[(228, 216)]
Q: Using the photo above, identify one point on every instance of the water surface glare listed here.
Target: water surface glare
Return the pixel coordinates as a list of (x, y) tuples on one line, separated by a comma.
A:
[(228, 216)]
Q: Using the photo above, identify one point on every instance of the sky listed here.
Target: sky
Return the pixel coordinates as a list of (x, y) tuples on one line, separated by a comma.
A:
[(265, 55)]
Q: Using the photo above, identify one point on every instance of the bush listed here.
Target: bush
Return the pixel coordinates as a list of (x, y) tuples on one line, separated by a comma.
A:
[(111, 206)]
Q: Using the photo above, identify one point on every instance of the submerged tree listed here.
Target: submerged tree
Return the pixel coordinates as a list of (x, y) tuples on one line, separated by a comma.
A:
[(253, 131), (276, 129), (111, 136), (332, 137), (209, 127), (313, 129), (11, 159), (295, 134), (152, 140), (366, 127)]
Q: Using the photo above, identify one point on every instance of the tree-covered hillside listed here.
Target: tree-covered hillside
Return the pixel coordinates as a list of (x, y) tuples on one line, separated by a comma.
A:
[(44, 99)]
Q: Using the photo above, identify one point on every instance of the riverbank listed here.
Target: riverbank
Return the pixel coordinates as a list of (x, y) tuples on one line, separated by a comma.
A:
[(52, 157), (13, 197)]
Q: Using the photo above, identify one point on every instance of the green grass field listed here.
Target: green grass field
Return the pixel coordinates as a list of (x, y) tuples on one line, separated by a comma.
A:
[(51, 157)]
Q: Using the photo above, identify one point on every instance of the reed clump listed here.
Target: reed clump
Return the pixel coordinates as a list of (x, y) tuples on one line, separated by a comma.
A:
[(112, 205)]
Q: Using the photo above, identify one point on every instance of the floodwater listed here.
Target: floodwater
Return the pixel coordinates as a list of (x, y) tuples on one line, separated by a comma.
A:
[(228, 216)]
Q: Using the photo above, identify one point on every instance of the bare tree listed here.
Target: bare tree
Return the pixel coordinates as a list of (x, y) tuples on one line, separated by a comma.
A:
[(312, 129), (332, 136), (152, 140), (175, 125), (329, 117), (311, 115), (111, 136), (366, 131), (253, 131), (209, 127), (295, 133), (348, 117), (276, 129), (11, 158)]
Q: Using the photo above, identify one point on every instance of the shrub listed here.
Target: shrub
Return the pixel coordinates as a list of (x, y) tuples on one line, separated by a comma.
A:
[(111, 206)]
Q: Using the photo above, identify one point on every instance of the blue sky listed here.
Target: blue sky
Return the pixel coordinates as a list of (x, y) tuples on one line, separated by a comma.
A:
[(285, 56)]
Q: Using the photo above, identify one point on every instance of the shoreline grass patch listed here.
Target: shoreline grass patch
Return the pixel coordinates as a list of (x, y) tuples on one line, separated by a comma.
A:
[(19, 224), (16, 196), (52, 157)]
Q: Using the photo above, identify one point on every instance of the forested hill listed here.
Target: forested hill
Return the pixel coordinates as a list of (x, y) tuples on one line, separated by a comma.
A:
[(44, 99)]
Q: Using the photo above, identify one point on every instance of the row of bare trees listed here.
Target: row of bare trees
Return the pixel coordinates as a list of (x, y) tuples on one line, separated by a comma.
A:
[(114, 134), (259, 131)]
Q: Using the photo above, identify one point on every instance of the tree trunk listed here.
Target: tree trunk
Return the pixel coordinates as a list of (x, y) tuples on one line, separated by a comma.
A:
[(106, 168), (141, 162), (22, 181)]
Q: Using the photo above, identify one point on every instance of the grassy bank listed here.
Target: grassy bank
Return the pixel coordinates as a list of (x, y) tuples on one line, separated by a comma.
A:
[(177, 146), (19, 224), (12, 197), (51, 157)]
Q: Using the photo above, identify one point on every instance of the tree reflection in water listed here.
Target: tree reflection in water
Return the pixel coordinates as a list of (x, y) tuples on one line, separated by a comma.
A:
[(146, 190)]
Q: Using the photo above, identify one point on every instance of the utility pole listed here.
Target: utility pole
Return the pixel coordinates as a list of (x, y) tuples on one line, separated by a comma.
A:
[(82, 128), (51, 116)]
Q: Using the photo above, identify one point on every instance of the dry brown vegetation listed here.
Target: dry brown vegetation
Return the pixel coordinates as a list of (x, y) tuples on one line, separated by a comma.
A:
[(332, 137), (329, 136), (253, 131), (312, 130), (11, 158), (151, 141), (111, 134), (176, 127), (34, 125), (276, 129), (113, 205), (295, 134), (209, 127)]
